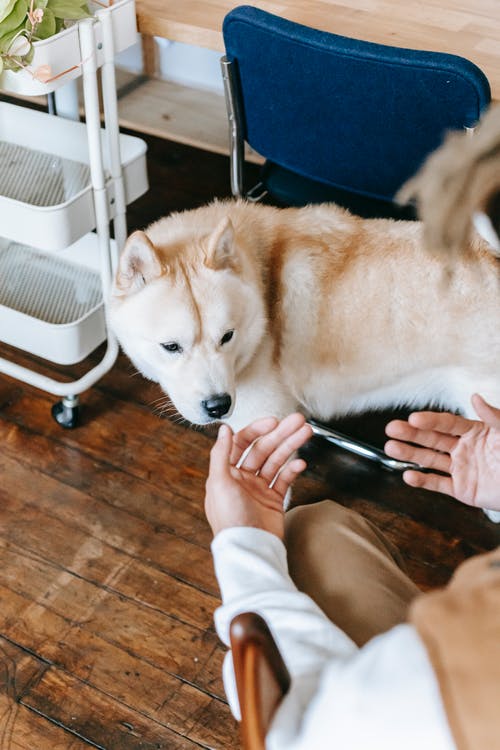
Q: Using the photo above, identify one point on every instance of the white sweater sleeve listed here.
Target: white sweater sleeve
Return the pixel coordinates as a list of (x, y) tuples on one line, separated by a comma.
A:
[(384, 695)]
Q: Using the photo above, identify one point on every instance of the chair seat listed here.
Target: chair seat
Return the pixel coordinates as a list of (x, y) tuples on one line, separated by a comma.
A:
[(288, 188)]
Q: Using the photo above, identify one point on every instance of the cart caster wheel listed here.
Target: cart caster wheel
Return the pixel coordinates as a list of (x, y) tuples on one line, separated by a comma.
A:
[(67, 412)]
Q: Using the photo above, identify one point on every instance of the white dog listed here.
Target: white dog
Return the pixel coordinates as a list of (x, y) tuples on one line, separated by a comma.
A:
[(241, 310)]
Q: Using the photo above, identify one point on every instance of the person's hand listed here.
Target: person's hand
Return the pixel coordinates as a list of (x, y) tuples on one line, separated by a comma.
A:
[(250, 473), (467, 451)]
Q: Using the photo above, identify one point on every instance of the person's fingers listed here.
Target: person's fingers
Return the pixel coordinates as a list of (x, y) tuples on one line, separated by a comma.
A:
[(249, 434), (487, 413), (220, 453), (432, 482), (445, 422), (257, 452), (438, 441), (285, 451), (426, 457), (287, 475), (288, 435)]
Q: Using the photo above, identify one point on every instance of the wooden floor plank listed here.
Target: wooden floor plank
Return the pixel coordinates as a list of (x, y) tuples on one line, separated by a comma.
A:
[(118, 673), (24, 729), (114, 526), (178, 648), (20, 728), (97, 717), (87, 557), (180, 514), (18, 669), (150, 451)]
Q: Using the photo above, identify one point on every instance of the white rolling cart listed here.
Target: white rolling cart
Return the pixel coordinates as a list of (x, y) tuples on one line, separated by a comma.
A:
[(61, 183)]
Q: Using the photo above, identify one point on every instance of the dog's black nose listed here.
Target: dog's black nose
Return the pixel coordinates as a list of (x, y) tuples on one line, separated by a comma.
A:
[(217, 406)]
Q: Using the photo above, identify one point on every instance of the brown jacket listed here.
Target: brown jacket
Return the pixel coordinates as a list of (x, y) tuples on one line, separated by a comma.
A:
[(460, 627)]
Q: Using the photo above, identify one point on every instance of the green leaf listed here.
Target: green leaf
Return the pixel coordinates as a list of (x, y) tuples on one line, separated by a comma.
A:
[(68, 9), (6, 7), (6, 41), (47, 27), (11, 63), (15, 17), (1, 65)]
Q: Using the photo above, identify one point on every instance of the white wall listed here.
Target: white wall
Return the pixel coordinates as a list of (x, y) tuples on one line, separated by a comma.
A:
[(181, 63)]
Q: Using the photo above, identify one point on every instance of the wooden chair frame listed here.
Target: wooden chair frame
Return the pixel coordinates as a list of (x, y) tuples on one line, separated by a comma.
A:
[(262, 678)]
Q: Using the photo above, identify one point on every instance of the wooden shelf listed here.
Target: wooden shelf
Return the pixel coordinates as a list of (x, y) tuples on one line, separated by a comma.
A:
[(178, 113)]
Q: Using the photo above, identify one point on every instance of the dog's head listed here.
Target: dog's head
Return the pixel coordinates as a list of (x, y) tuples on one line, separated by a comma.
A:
[(188, 311)]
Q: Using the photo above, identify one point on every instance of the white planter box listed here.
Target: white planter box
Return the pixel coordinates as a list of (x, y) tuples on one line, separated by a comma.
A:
[(51, 303), (46, 198), (62, 52)]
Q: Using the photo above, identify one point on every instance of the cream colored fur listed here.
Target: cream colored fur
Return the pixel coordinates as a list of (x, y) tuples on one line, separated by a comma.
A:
[(331, 314)]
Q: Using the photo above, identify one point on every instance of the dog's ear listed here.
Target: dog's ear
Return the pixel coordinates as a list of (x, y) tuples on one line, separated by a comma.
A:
[(139, 264), (221, 249)]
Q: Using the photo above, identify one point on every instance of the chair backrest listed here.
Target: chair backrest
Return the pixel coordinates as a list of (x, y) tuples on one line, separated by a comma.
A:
[(262, 678), (351, 114)]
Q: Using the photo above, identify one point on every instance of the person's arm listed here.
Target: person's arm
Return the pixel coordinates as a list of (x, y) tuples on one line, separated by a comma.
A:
[(383, 695), (466, 453), (246, 515)]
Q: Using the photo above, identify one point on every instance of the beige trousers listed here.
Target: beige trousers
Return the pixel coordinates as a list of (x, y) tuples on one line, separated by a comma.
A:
[(348, 567)]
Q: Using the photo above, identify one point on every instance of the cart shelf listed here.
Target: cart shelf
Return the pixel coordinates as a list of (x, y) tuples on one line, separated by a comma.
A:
[(46, 198), (51, 303)]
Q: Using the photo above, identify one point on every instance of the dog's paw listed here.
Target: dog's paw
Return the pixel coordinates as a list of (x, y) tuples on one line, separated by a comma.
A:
[(493, 515)]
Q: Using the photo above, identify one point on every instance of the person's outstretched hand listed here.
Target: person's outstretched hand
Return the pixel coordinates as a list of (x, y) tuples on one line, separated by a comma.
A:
[(468, 451), (246, 486)]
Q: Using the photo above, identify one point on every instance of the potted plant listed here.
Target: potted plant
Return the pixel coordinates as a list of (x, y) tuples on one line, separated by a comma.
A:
[(25, 22)]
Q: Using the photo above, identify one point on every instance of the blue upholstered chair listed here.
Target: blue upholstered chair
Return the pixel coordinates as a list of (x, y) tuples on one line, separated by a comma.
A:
[(338, 119)]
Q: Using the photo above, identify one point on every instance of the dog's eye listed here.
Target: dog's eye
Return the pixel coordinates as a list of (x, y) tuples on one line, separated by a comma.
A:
[(227, 337), (172, 346)]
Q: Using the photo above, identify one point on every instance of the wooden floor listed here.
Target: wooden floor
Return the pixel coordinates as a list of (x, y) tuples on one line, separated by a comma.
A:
[(106, 583)]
